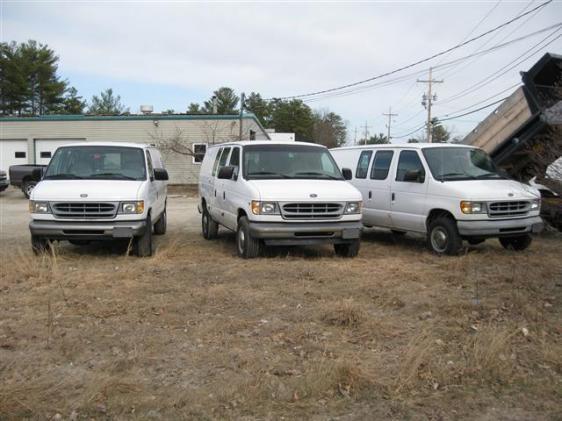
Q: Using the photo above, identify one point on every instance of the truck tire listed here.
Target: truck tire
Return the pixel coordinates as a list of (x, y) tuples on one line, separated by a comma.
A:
[(143, 244), (443, 236), (348, 249), (209, 228), (27, 187), (160, 225), (39, 244), (473, 241), (247, 246), (518, 243)]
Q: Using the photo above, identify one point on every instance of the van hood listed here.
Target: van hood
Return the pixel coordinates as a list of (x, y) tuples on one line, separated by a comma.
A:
[(489, 190), (110, 190), (306, 190)]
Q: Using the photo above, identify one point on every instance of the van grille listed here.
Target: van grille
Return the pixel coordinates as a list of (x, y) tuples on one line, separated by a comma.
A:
[(514, 208), (84, 209), (311, 210)]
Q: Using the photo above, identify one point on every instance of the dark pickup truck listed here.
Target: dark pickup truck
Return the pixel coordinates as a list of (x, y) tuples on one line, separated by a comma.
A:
[(22, 176)]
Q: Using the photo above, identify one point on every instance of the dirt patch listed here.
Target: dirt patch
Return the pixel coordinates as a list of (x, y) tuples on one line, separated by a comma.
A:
[(195, 332)]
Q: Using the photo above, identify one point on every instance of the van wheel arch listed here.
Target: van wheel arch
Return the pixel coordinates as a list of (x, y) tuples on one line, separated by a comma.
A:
[(442, 234), (436, 213)]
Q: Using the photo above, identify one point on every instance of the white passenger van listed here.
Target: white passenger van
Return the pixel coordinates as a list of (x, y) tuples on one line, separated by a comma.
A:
[(449, 192), (278, 193), (100, 191)]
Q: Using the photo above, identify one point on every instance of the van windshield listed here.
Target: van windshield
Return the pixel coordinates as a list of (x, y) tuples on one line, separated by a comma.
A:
[(97, 163), (454, 164), (289, 161)]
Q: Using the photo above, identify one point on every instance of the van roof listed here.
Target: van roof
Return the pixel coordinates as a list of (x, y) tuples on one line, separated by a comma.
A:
[(112, 143), (266, 142), (406, 146)]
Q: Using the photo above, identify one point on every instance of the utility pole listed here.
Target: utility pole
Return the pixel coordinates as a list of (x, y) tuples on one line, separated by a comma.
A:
[(355, 137), (366, 133), (427, 101), (389, 115), (242, 97)]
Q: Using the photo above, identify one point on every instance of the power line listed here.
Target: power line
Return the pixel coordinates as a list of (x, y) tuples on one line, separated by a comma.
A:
[(455, 47), (473, 111)]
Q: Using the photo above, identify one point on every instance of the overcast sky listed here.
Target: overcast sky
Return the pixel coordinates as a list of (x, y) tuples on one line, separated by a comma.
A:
[(169, 54)]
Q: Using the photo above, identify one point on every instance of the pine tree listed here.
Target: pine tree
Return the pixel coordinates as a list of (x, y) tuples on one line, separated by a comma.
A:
[(107, 104)]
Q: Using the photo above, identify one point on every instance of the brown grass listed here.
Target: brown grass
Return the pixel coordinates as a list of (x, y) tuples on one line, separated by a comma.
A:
[(196, 333)]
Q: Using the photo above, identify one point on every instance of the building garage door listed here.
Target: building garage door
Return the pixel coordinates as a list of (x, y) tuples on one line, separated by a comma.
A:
[(45, 148), (12, 152)]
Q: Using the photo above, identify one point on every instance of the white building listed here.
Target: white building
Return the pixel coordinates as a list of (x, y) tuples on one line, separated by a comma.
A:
[(182, 138)]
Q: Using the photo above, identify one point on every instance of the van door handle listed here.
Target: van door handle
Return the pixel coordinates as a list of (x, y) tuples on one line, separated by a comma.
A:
[(393, 197), (370, 194), (215, 193), (224, 195)]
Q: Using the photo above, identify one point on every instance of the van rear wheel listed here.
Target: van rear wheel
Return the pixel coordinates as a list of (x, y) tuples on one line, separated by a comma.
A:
[(247, 246), (518, 243), (443, 236), (209, 228)]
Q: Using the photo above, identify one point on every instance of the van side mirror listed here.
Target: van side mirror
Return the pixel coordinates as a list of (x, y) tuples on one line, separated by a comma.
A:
[(160, 174), (37, 174), (347, 174), (226, 173), (416, 176)]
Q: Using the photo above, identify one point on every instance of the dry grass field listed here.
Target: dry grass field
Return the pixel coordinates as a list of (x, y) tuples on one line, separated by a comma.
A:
[(197, 333)]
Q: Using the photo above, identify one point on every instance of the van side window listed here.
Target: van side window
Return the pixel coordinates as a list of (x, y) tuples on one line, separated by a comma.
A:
[(409, 161), (224, 157), (235, 157), (363, 164), (381, 165), (150, 167), (216, 164)]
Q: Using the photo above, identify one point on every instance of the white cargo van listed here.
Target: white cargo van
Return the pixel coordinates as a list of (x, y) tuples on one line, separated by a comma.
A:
[(449, 192), (100, 191), (278, 193)]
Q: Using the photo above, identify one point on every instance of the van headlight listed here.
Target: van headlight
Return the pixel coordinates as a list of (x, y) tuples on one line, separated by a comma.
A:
[(535, 204), (352, 208), (132, 207), (39, 207), (264, 208), (472, 207)]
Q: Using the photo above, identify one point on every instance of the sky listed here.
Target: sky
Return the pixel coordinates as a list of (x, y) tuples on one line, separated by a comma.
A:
[(169, 54)]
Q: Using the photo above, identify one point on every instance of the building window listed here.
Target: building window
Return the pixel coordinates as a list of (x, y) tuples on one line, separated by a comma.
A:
[(46, 154), (199, 150), (20, 154), (252, 135)]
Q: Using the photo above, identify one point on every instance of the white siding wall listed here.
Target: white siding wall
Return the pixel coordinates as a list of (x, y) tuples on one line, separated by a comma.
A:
[(151, 129)]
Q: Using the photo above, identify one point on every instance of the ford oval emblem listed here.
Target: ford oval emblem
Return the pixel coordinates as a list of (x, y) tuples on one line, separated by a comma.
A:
[(83, 195), (313, 195), (510, 194)]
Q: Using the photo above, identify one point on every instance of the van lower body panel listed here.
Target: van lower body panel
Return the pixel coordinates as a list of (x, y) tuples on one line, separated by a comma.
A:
[(85, 230), (500, 228), (307, 233)]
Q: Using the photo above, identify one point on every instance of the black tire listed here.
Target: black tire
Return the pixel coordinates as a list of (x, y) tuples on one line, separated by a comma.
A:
[(160, 225), (475, 241), (398, 233), (519, 243), (28, 187), (209, 228), (39, 244), (143, 244), (348, 249), (247, 246), (79, 242), (443, 236)]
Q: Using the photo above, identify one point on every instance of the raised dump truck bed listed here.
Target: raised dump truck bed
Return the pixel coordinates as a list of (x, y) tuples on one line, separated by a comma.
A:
[(523, 135)]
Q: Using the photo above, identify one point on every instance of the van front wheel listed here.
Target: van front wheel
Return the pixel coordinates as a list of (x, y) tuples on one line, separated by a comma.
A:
[(160, 225), (247, 246), (348, 249), (518, 243), (144, 242), (209, 227), (443, 236)]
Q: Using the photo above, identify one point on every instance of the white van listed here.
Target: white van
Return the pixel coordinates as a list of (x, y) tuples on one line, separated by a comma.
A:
[(99, 191), (449, 192), (278, 193)]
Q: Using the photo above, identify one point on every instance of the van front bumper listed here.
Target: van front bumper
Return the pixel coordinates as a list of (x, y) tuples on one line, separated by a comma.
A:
[(85, 230), (307, 233), (500, 228)]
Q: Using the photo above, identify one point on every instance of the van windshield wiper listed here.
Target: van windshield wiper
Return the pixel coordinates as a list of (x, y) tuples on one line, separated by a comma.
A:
[(315, 173), (62, 176), (455, 174), (112, 174), (276, 174)]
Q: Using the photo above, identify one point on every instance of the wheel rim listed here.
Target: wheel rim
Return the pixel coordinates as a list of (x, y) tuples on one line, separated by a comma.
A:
[(241, 240), (205, 221), (439, 239), (29, 189)]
